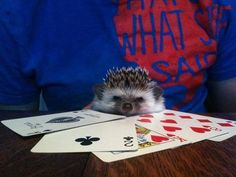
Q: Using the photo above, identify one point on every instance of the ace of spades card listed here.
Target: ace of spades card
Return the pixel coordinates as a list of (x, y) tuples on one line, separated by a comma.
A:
[(148, 142), (29, 126), (119, 135), (178, 124)]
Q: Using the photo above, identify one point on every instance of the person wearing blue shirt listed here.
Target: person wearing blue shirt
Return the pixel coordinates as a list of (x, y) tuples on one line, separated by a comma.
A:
[(61, 49)]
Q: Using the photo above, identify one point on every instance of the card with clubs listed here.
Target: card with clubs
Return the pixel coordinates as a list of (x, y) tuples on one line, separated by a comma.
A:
[(148, 142), (178, 124), (119, 135), (29, 126)]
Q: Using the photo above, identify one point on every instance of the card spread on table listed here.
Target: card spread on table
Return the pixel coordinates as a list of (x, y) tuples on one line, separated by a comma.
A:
[(216, 123), (115, 137), (148, 142), (179, 124), (119, 135), (227, 127), (170, 129), (29, 126)]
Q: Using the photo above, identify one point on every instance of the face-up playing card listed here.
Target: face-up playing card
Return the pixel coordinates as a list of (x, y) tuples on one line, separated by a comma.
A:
[(54, 122), (178, 124), (183, 127), (212, 123), (119, 135), (217, 123), (148, 142)]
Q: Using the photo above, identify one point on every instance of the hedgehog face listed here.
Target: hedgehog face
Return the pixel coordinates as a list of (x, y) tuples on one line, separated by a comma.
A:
[(128, 101), (128, 91)]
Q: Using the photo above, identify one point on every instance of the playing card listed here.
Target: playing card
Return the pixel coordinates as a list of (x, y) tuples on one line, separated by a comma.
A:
[(223, 137), (54, 122), (119, 135), (227, 127), (217, 123), (178, 124), (148, 142)]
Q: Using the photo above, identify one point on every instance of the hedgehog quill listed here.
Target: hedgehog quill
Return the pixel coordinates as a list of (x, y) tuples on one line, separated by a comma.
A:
[(128, 91)]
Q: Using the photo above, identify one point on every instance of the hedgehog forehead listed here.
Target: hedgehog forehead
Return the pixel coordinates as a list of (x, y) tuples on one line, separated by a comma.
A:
[(127, 78), (126, 93)]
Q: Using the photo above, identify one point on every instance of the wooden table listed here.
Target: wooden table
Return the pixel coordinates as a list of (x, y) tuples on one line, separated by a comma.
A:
[(201, 159)]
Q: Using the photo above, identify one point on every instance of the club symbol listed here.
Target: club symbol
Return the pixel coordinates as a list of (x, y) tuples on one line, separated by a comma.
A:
[(87, 141)]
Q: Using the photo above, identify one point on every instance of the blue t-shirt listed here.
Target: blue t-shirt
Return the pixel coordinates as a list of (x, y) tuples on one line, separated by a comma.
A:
[(63, 48)]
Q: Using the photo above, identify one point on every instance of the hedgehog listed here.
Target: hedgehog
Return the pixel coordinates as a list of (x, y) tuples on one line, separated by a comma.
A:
[(128, 91)]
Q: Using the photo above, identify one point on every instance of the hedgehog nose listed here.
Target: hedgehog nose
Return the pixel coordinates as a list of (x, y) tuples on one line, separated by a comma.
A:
[(127, 107)]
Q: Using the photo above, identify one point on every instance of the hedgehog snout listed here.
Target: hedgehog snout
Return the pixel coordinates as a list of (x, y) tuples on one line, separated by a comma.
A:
[(126, 108)]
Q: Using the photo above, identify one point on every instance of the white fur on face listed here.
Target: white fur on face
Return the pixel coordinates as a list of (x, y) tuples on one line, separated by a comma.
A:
[(150, 104), (105, 105)]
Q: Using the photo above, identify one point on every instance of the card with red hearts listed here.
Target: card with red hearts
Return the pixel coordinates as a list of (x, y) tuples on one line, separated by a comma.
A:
[(147, 138), (180, 124), (170, 129), (216, 124), (213, 123), (148, 141)]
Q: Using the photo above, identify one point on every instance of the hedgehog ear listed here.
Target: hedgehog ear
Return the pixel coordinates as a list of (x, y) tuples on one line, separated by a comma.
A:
[(157, 91), (98, 90)]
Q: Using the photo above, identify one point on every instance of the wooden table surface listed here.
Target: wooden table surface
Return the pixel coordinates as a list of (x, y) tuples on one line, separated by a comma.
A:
[(202, 159)]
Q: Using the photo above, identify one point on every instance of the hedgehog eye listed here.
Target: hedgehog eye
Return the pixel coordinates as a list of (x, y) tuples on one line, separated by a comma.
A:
[(139, 99), (116, 98)]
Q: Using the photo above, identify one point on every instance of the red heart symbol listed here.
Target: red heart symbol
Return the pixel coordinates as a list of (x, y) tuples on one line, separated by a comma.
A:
[(145, 120), (225, 124), (158, 138), (147, 115), (186, 117), (204, 120), (170, 135), (200, 129), (171, 129), (169, 121), (169, 114)]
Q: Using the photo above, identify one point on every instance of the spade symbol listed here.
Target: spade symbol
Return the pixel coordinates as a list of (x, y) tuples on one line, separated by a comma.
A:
[(87, 141), (65, 119)]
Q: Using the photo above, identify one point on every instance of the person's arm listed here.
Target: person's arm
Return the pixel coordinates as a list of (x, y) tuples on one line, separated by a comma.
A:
[(222, 95)]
